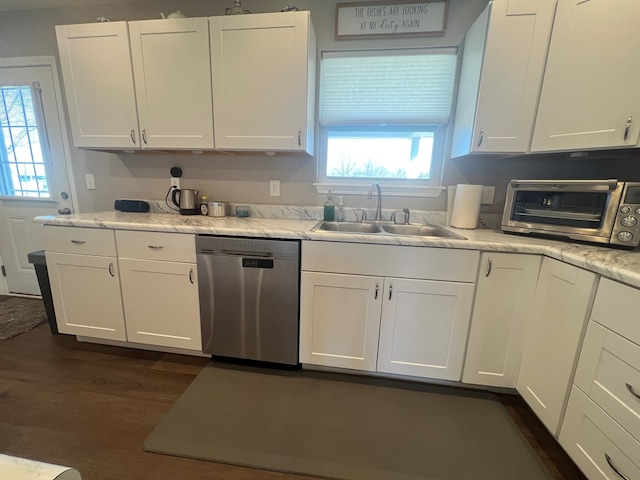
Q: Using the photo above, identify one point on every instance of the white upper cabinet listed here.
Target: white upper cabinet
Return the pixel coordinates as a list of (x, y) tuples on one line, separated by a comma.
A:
[(98, 80), (502, 68), (589, 96), (173, 82), (263, 71), (138, 85)]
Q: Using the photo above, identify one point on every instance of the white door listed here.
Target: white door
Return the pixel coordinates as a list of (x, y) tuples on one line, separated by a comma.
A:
[(34, 156), (340, 320), (423, 331)]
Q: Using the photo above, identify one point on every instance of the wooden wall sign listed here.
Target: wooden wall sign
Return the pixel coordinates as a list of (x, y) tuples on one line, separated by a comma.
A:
[(391, 18)]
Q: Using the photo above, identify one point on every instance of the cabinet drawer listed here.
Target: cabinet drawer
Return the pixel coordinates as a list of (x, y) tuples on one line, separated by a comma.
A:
[(600, 447), (609, 373), (616, 306), (168, 247), (391, 261), (80, 240)]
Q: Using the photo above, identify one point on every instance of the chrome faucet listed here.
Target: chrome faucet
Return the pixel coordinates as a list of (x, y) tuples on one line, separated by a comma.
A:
[(379, 207)]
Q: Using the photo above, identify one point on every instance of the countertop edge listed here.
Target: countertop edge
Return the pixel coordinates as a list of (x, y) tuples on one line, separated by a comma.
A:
[(613, 263)]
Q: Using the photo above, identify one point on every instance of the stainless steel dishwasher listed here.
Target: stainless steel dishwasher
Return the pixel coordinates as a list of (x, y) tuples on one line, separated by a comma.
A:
[(249, 297)]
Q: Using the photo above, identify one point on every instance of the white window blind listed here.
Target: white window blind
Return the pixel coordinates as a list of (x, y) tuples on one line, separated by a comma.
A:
[(371, 88)]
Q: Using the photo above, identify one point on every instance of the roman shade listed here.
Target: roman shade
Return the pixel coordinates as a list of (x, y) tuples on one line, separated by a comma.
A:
[(401, 87)]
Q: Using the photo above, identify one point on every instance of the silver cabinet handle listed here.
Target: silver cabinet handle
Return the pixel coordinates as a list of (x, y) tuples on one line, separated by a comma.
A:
[(78, 242), (144, 136), (111, 270), (630, 388), (376, 296), (133, 136), (489, 267), (299, 137), (481, 136), (155, 247), (390, 290), (627, 127), (191, 276), (608, 459)]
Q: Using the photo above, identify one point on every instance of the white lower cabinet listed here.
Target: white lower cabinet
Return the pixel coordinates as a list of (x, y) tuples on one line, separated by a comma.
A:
[(340, 320), (353, 316), (504, 297), (161, 303), (601, 429), (424, 326), (160, 288), (147, 294), (554, 337), (85, 282)]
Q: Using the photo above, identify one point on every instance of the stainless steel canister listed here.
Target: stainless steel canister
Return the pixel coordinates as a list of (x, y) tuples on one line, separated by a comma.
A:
[(217, 209)]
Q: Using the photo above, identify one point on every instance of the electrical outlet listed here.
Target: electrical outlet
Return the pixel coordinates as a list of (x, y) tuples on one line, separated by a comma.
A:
[(175, 182), (487, 195), (274, 188), (90, 181)]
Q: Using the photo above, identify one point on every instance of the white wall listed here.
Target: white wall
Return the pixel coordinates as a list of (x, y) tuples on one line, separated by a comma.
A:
[(228, 177)]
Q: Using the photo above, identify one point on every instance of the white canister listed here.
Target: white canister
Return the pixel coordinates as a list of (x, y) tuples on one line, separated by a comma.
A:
[(466, 206)]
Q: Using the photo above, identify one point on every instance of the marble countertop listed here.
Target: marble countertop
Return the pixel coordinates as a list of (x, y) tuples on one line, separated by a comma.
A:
[(621, 265)]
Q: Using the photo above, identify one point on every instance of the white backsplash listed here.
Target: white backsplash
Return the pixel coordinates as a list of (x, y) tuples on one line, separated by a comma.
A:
[(315, 213)]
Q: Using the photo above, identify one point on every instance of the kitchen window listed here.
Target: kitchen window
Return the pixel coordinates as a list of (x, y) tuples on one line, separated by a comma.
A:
[(384, 117)]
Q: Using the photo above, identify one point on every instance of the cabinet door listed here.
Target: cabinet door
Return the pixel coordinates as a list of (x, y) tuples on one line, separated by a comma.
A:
[(504, 296), (556, 327), (504, 53), (589, 89), (263, 72), (98, 81), (424, 326), (86, 295), (340, 320), (161, 303), (171, 65), (600, 447)]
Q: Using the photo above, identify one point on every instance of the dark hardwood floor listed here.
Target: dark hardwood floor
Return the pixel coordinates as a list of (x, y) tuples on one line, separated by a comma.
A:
[(91, 407)]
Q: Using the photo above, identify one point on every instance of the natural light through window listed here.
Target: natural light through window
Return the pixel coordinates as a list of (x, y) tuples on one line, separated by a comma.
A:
[(377, 154), (22, 168)]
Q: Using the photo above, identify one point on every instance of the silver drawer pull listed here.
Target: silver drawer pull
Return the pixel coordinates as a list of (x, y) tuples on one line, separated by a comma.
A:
[(155, 247), (78, 242), (608, 459), (630, 388)]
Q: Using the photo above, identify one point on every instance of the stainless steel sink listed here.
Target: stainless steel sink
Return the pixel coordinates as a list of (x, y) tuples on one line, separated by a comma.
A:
[(420, 231), (348, 227), (383, 228)]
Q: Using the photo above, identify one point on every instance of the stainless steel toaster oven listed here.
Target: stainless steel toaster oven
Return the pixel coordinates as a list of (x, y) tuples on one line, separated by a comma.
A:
[(599, 211)]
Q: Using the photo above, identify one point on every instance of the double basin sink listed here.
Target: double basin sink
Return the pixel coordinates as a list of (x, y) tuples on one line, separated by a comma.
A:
[(386, 228)]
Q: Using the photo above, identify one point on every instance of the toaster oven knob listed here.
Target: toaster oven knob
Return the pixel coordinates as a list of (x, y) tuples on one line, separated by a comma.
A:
[(625, 209), (625, 236), (629, 221)]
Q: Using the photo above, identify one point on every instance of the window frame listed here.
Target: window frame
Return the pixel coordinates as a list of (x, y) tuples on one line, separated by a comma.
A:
[(420, 187)]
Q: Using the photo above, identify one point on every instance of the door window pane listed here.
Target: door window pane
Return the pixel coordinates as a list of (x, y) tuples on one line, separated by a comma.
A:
[(22, 167)]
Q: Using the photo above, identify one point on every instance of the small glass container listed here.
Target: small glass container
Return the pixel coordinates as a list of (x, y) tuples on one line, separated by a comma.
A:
[(243, 211)]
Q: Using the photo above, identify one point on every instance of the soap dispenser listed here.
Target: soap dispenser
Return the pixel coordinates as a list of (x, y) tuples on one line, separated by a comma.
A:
[(329, 209)]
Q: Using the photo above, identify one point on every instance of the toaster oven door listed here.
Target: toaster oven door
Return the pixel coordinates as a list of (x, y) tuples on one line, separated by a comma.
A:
[(580, 210)]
